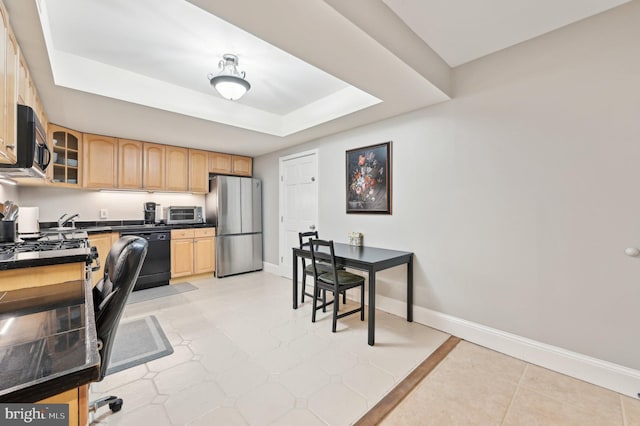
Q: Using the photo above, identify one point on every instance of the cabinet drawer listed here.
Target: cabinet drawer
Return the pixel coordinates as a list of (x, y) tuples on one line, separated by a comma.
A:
[(204, 232), (179, 234)]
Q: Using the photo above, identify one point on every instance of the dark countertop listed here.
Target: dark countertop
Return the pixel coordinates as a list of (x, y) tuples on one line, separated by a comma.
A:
[(49, 343), (44, 258), (93, 227)]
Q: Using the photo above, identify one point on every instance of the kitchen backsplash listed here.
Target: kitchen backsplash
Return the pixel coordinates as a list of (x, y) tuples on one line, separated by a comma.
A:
[(8, 192), (121, 205)]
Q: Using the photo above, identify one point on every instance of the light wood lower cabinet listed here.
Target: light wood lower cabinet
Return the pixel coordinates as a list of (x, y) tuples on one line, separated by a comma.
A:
[(181, 257), (78, 402), (37, 276), (192, 251), (103, 242), (204, 255)]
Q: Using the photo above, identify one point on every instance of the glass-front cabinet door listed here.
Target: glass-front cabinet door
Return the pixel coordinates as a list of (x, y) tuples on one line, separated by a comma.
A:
[(64, 168)]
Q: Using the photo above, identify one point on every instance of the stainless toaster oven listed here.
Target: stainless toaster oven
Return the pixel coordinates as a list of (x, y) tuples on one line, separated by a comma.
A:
[(183, 214)]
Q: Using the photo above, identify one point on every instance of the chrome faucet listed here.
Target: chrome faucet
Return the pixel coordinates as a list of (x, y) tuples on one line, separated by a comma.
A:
[(62, 221)]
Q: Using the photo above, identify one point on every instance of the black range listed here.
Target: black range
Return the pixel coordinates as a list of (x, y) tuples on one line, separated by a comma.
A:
[(50, 249)]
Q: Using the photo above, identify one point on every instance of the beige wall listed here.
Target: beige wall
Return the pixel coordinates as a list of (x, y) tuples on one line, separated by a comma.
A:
[(519, 196)]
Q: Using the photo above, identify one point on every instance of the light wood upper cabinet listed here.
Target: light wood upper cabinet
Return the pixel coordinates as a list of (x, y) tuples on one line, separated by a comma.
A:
[(153, 166), (129, 164), (177, 168), (219, 163), (66, 148), (100, 161), (10, 54), (13, 59), (241, 166), (198, 171), (4, 158), (23, 82), (228, 164), (27, 94)]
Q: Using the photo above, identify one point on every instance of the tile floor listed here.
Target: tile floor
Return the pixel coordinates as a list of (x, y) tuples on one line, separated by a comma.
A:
[(243, 356), (477, 386)]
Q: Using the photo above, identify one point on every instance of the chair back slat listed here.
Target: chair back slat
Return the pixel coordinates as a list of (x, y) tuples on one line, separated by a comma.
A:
[(304, 238), (322, 257)]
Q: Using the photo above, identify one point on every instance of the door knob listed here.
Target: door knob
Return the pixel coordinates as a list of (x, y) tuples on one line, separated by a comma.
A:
[(312, 227)]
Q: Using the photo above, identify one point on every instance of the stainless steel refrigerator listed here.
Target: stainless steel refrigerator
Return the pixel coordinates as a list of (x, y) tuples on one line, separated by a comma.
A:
[(234, 206)]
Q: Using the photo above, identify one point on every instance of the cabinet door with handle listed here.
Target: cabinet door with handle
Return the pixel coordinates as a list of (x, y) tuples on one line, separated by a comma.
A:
[(177, 167), (100, 161), (204, 255), (154, 166), (129, 164)]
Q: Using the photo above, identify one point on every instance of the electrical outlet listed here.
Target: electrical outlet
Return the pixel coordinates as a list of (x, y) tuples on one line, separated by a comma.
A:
[(104, 214)]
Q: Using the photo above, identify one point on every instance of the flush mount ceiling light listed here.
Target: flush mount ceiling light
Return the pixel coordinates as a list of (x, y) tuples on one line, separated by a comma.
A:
[(229, 82)]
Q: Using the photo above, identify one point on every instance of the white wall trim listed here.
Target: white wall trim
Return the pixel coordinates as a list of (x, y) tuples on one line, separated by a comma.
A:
[(271, 268), (598, 372)]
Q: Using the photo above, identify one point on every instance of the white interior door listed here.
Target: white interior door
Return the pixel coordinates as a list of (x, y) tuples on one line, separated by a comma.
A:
[(298, 202)]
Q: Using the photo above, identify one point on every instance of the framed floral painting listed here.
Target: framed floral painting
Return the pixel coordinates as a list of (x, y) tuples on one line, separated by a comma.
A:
[(369, 179)]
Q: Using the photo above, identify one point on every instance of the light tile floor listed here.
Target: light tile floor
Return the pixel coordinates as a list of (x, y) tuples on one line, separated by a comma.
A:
[(477, 386), (243, 356)]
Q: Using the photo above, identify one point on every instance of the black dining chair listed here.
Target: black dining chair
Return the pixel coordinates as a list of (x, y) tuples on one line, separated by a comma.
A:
[(121, 269), (335, 280), (303, 238)]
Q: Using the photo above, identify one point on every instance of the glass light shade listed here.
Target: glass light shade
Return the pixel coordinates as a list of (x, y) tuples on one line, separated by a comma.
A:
[(229, 82), (230, 87)]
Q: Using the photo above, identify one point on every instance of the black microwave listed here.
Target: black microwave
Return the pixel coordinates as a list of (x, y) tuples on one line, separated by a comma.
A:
[(32, 153)]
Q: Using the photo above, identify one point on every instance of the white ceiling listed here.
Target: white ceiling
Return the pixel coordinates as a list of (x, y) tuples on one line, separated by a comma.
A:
[(165, 62), (137, 69), (464, 30)]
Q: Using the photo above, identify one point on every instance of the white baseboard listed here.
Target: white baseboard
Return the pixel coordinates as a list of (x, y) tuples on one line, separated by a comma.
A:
[(606, 374), (598, 372), (271, 268)]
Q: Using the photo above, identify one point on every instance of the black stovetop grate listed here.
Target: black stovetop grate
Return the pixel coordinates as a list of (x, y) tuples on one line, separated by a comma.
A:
[(42, 245)]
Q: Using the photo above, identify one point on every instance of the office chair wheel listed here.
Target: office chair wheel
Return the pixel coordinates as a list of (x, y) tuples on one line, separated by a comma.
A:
[(116, 405)]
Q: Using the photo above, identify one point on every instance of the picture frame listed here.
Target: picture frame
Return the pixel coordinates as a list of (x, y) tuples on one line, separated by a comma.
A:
[(368, 179)]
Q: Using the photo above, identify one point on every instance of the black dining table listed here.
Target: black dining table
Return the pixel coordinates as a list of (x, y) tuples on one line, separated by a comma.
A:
[(371, 260)]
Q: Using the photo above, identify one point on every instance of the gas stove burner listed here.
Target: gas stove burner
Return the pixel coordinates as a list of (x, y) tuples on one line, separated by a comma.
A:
[(42, 245)]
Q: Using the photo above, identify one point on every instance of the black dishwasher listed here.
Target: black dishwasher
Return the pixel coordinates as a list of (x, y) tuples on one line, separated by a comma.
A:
[(156, 269)]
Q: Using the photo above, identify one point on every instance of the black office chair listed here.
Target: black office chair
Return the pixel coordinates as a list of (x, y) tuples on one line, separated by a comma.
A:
[(121, 269), (304, 238), (336, 281)]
